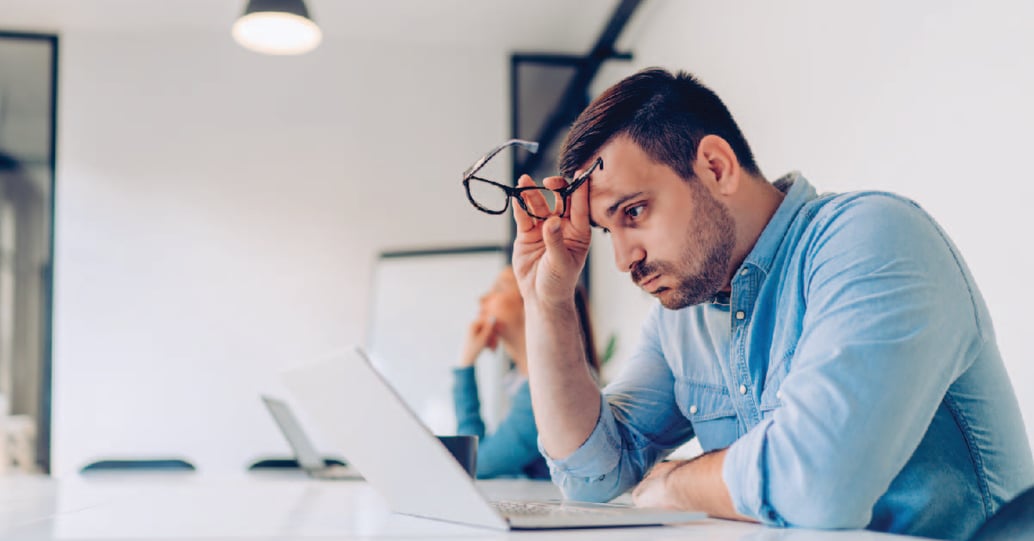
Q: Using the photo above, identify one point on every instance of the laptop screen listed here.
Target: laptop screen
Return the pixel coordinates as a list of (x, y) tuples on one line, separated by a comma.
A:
[(304, 450)]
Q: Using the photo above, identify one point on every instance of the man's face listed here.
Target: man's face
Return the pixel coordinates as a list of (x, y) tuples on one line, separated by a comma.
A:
[(672, 235)]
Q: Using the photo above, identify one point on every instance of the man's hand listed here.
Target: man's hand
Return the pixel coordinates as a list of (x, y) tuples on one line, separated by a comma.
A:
[(690, 485), (548, 255), (652, 491)]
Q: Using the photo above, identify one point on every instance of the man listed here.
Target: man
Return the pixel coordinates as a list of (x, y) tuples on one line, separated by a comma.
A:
[(832, 354)]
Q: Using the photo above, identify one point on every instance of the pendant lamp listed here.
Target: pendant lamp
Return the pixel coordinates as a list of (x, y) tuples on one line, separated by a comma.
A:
[(279, 27)]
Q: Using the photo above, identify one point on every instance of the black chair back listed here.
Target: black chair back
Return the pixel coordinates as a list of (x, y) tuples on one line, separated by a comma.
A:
[(158, 464), (286, 463)]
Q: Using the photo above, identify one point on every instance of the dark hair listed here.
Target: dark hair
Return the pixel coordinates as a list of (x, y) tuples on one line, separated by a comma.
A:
[(665, 114), (581, 304)]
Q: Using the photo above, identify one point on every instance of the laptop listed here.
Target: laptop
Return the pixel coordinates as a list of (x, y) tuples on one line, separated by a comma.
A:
[(304, 451), (401, 459)]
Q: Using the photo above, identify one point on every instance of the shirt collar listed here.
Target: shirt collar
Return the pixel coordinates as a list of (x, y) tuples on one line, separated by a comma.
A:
[(798, 192)]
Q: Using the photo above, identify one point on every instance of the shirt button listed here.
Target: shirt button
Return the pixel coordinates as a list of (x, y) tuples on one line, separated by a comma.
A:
[(743, 389), (693, 409), (740, 314), (779, 395), (744, 272)]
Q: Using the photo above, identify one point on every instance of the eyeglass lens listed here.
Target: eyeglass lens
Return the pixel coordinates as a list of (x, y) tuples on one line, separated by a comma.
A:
[(494, 197)]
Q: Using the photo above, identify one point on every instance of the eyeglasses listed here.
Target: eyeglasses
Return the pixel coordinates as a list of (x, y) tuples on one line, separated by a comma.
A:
[(494, 198)]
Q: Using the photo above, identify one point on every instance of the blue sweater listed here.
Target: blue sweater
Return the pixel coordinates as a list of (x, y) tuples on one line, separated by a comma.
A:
[(512, 450)]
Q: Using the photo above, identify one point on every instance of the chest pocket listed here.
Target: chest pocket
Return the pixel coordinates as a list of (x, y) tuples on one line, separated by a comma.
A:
[(709, 408)]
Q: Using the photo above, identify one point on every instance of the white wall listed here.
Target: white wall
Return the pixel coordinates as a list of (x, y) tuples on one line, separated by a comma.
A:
[(218, 212), (928, 98), (218, 218)]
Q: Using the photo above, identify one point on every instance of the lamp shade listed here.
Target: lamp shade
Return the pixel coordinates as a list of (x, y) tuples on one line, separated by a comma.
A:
[(280, 27)]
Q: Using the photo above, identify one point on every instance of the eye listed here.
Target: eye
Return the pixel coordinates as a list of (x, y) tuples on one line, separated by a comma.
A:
[(635, 211)]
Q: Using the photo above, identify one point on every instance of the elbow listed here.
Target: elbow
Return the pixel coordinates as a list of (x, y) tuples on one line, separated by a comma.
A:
[(599, 489), (828, 517), (821, 511)]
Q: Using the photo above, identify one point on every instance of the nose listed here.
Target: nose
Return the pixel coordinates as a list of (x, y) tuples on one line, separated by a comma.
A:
[(627, 252)]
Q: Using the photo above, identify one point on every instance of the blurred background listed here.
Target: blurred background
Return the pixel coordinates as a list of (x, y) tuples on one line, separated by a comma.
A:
[(220, 215)]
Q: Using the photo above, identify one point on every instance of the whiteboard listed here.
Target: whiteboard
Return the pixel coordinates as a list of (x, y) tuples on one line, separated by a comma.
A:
[(423, 302)]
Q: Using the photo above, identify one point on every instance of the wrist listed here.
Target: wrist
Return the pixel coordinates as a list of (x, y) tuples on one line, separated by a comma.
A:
[(542, 307), (671, 488)]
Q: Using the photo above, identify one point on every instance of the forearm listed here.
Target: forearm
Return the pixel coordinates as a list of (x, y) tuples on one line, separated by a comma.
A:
[(698, 485), (466, 402), (564, 395)]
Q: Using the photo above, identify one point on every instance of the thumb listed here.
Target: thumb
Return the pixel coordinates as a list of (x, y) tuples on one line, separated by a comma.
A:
[(553, 234)]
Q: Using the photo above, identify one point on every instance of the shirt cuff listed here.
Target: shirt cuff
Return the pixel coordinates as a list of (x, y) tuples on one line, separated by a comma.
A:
[(597, 456), (464, 373), (746, 477)]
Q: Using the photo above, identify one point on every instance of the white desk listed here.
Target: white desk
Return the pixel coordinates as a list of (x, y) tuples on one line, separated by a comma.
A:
[(280, 507)]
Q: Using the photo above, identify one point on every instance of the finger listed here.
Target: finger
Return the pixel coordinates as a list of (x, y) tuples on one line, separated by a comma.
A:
[(555, 183), (553, 236), (535, 201), (524, 222), (486, 329), (637, 494), (475, 338), (493, 336), (579, 212)]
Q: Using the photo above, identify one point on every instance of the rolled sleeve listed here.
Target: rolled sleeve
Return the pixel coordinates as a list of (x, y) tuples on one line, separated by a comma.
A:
[(746, 478), (599, 453), (588, 474)]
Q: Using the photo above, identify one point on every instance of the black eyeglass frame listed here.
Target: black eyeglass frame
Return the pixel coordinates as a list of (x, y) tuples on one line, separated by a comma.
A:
[(515, 193)]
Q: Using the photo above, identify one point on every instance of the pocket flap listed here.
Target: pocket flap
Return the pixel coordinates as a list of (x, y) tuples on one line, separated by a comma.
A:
[(705, 401)]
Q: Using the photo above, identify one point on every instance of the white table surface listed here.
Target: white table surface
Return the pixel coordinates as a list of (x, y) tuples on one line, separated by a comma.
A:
[(282, 506)]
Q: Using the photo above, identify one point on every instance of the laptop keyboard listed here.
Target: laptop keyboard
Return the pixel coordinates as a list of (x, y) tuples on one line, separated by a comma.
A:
[(525, 509)]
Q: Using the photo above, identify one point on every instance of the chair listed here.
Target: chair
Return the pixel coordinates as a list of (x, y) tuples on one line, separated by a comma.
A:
[(286, 463), (1013, 522), (139, 465), (17, 443)]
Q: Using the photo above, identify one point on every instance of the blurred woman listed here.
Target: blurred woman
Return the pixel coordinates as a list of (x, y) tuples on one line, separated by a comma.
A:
[(512, 450)]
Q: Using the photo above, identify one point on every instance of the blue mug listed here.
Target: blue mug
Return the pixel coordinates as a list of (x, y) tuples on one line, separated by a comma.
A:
[(465, 450)]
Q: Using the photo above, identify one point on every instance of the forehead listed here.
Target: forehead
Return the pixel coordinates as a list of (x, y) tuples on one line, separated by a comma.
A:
[(627, 172)]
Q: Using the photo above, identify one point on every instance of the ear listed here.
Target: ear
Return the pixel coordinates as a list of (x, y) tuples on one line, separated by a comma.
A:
[(717, 162)]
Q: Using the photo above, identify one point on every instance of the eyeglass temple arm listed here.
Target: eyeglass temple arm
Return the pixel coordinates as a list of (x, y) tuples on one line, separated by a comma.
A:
[(530, 146)]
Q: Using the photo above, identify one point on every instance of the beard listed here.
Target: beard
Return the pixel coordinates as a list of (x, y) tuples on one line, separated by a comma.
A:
[(712, 238)]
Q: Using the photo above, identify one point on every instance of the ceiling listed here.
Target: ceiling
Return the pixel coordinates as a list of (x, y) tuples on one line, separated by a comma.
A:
[(555, 25)]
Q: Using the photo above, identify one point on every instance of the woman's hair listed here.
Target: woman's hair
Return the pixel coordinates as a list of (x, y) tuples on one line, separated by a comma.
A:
[(581, 303)]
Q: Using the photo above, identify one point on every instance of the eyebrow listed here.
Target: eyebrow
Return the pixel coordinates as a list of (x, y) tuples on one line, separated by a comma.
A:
[(614, 208)]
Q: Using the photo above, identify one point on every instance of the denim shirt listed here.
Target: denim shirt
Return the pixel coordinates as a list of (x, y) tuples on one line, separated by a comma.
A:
[(852, 373)]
